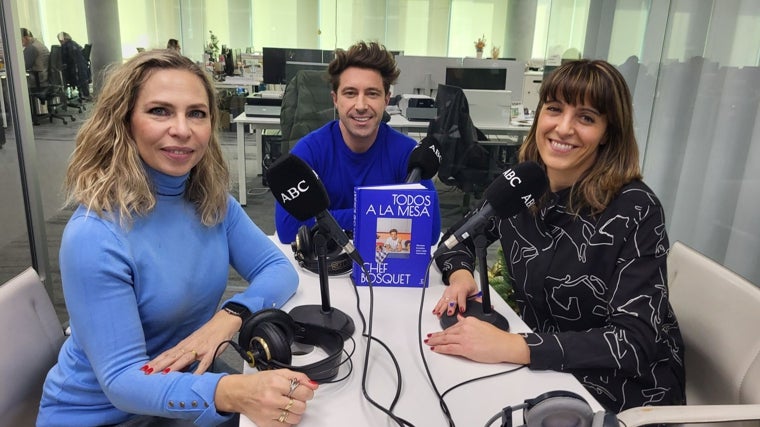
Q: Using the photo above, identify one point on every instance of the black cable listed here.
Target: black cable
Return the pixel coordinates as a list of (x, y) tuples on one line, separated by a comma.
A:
[(442, 402), (484, 377), (367, 326), (396, 365), (444, 406)]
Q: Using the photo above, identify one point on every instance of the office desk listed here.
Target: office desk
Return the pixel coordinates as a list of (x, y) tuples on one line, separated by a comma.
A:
[(399, 122), (258, 124), (396, 313), (234, 82), (403, 125)]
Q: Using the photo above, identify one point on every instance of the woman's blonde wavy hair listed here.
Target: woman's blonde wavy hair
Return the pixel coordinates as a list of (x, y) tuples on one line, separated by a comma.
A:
[(599, 84), (105, 172)]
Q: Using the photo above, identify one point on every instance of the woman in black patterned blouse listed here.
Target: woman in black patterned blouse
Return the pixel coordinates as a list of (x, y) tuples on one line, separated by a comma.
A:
[(588, 263)]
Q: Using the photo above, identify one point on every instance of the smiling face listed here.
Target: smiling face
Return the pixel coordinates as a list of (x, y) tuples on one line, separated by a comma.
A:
[(568, 138), (171, 121), (360, 100)]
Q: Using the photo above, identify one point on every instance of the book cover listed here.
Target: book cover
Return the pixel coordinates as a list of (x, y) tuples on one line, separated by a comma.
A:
[(393, 227)]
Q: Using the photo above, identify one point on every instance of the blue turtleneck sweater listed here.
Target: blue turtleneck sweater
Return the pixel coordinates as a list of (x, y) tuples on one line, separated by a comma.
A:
[(134, 292)]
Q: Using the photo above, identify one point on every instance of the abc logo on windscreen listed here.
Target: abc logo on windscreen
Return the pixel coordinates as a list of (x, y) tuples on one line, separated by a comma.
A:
[(292, 193)]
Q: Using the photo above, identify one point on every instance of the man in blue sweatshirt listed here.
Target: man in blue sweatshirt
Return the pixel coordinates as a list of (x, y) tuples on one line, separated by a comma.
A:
[(357, 149)]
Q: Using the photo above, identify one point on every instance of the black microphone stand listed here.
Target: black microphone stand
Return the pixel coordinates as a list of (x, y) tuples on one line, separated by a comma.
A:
[(323, 315), (482, 311)]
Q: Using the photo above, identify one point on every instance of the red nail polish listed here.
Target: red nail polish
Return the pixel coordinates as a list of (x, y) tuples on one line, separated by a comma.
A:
[(144, 368), (148, 371), (432, 348), (425, 340), (166, 371), (312, 382), (429, 335)]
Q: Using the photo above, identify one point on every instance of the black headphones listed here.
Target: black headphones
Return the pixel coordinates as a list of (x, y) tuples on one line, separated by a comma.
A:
[(265, 339), (338, 262), (558, 408)]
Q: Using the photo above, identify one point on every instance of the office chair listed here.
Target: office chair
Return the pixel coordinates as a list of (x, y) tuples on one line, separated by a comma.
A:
[(31, 337), (718, 312), (54, 94), (465, 164), (306, 106)]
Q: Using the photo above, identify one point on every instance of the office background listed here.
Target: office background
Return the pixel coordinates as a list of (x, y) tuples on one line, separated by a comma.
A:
[(693, 67)]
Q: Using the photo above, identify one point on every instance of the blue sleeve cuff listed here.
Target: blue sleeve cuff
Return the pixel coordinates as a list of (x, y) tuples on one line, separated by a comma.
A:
[(205, 387)]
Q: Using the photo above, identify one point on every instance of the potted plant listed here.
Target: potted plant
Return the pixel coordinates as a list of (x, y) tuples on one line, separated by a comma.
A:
[(498, 278), (212, 47), (480, 43)]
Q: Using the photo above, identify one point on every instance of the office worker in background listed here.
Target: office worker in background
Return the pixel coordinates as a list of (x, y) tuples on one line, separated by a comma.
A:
[(76, 72), (173, 44), (588, 265), (358, 148), (145, 259), (36, 57)]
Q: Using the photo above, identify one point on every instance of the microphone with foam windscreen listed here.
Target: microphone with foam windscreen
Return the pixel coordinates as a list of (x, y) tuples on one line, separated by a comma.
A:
[(424, 160), (514, 190), (302, 194)]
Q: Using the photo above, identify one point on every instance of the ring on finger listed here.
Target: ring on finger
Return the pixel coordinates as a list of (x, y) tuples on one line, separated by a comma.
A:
[(289, 405), (293, 386), (283, 416)]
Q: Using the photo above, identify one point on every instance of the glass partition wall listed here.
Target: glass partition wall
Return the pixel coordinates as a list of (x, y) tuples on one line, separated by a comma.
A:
[(692, 66)]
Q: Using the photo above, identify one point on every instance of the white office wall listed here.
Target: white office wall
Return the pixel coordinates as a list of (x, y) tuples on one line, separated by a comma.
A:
[(418, 27), (471, 20), (286, 23), (567, 27), (46, 18), (629, 26), (158, 22)]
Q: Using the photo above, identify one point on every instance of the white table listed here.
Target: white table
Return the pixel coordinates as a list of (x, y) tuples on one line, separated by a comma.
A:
[(396, 313), (399, 122)]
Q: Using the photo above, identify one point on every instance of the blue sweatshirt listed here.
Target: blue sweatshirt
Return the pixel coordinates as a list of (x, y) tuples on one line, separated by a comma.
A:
[(341, 170), (134, 292)]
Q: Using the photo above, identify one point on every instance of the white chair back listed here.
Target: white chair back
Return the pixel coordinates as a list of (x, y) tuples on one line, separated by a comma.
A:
[(718, 312), (30, 338)]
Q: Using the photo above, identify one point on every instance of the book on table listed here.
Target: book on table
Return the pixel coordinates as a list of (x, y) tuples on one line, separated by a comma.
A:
[(393, 227)]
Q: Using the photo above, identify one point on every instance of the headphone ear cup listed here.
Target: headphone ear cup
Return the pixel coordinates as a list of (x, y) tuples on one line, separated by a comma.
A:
[(277, 342), (275, 327), (305, 252), (559, 411), (303, 247)]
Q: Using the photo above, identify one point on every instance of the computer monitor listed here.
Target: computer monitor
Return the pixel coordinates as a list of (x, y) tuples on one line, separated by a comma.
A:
[(273, 64), (477, 78), (515, 72), (275, 59)]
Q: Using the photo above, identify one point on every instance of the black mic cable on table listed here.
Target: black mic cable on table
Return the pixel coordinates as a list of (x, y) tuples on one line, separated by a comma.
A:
[(444, 407)]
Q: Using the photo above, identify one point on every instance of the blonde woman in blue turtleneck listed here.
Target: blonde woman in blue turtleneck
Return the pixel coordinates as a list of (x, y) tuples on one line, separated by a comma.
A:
[(145, 260)]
